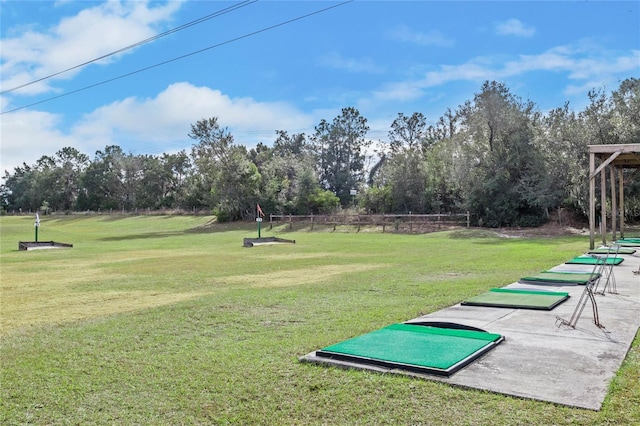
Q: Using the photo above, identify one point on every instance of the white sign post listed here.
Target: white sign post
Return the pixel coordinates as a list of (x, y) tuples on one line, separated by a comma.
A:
[(37, 225), (259, 220)]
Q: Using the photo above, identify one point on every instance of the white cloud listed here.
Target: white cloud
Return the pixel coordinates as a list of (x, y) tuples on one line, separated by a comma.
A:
[(430, 38), (168, 116), (400, 91), (27, 136), (337, 61), (514, 27), (594, 66), (92, 33), (146, 126)]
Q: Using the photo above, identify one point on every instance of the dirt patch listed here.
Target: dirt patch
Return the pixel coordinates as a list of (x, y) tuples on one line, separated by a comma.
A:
[(548, 230)]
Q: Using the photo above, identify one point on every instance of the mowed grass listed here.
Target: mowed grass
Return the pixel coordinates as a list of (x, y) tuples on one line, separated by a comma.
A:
[(169, 320)]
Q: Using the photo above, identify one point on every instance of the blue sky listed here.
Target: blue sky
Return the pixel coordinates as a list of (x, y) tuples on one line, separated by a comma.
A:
[(382, 57)]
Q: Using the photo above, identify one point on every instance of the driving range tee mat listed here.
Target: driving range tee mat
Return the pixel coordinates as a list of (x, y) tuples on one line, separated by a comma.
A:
[(415, 348), (611, 250), (628, 242), (519, 299), (560, 278), (588, 260)]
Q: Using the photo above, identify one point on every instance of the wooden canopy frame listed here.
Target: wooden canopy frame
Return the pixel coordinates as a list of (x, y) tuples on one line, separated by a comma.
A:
[(616, 157)]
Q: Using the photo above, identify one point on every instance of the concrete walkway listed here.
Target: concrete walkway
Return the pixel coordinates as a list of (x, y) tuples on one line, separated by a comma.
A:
[(540, 359)]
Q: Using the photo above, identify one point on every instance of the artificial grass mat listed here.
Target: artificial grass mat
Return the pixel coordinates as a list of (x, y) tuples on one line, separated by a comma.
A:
[(588, 260), (416, 348), (628, 242), (611, 250), (553, 277), (515, 298)]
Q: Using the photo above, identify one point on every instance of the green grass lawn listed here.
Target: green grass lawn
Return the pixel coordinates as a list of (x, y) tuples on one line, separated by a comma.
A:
[(169, 320)]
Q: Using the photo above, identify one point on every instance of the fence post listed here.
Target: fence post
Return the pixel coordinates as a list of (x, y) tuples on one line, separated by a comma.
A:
[(312, 221), (270, 221), (468, 221), (290, 222)]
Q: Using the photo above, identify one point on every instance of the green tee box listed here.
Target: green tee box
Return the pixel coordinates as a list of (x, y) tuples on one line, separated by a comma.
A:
[(415, 348), (563, 278), (611, 250), (584, 260), (519, 299), (628, 242)]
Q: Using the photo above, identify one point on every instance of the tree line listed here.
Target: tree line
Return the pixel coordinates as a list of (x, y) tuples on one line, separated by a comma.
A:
[(496, 156)]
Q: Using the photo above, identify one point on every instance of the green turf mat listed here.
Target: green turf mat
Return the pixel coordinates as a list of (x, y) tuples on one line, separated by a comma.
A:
[(611, 250), (520, 299), (628, 242), (580, 260), (553, 277), (413, 347)]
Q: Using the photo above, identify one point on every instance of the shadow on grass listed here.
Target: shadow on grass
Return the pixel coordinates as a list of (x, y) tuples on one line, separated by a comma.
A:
[(214, 227), (145, 236), (486, 237), (208, 228), (463, 234)]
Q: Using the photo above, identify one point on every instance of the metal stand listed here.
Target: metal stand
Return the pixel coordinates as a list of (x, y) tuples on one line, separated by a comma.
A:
[(610, 282), (587, 295)]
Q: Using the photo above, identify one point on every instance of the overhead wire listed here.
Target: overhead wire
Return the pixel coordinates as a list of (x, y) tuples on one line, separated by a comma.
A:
[(139, 43), (271, 27)]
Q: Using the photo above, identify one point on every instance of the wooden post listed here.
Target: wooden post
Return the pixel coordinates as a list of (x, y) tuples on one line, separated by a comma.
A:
[(592, 200), (603, 206), (614, 204), (621, 189), (312, 221), (270, 221)]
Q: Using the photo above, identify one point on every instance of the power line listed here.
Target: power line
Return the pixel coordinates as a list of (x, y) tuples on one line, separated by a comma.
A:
[(180, 57), (131, 46)]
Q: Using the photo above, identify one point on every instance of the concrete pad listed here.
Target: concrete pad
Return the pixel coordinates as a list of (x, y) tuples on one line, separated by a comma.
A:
[(540, 358)]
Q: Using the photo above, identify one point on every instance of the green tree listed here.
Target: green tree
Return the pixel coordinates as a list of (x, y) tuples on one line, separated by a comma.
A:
[(19, 189), (70, 164), (151, 183), (560, 139), (339, 148), (504, 170), (295, 145), (288, 176), (226, 172), (405, 167), (212, 150), (176, 168), (625, 116), (101, 184)]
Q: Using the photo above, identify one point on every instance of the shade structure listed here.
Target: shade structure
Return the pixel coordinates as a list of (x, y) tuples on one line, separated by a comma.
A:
[(560, 278), (589, 260), (616, 158), (519, 299), (415, 348)]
